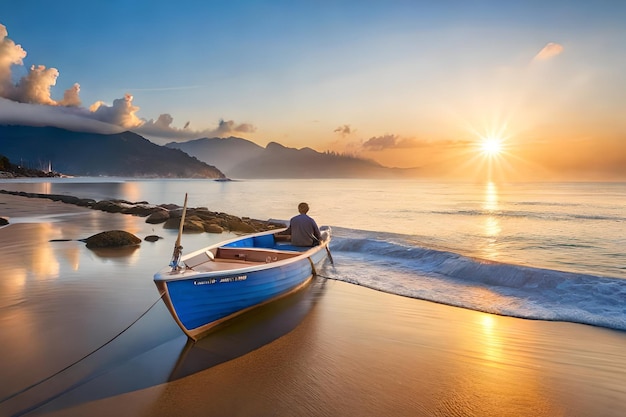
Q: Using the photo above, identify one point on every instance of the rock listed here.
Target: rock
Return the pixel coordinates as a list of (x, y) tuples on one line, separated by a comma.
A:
[(55, 197), (69, 199), (205, 214), (160, 215), (152, 238), (198, 219), (112, 239), (236, 225), (191, 225), (177, 213), (170, 206), (171, 223), (108, 206), (3, 221), (86, 202), (213, 228), (140, 209)]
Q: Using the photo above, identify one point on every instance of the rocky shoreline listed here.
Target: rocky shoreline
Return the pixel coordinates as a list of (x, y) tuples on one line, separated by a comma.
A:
[(197, 220)]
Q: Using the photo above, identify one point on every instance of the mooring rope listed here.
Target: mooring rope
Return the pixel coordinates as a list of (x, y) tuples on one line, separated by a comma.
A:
[(326, 277), (81, 359)]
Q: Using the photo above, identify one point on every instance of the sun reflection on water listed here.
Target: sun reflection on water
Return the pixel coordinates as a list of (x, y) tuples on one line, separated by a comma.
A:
[(490, 202), (131, 189), (491, 226)]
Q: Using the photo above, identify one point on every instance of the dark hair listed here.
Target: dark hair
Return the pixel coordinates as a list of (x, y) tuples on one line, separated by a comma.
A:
[(303, 208)]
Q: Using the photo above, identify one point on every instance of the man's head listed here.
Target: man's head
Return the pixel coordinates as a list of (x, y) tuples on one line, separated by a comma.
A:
[(303, 208)]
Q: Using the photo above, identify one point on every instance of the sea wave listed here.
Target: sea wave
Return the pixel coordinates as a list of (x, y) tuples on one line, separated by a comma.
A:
[(386, 263)]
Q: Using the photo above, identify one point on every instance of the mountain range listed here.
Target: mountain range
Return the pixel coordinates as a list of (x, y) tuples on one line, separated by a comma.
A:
[(130, 155), (240, 158)]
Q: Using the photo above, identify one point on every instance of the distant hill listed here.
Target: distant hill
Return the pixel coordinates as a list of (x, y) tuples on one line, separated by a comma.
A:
[(91, 154), (240, 158), (224, 153), (278, 161)]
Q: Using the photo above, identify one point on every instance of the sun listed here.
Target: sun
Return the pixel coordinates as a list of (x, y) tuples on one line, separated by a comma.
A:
[(491, 146), (489, 152)]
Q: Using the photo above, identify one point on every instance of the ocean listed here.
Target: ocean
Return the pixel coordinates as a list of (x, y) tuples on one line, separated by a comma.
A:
[(546, 251)]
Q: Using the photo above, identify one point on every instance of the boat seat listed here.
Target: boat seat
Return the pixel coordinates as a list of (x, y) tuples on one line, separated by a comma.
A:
[(199, 259), (254, 254)]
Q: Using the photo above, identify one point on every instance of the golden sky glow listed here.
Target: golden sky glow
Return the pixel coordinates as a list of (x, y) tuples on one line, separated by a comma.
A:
[(409, 84)]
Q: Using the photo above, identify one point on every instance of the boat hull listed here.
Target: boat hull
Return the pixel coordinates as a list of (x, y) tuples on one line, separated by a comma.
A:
[(200, 301)]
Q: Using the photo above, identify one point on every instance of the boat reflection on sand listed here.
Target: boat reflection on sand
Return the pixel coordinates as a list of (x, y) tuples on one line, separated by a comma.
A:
[(248, 332)]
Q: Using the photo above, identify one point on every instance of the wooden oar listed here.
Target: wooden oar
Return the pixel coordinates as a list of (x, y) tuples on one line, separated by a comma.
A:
[(178, 250), (327, 249), (329, 255)]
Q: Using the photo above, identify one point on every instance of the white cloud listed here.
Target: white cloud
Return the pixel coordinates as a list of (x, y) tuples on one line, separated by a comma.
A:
[(379, 143), (71, 118), (549, 51), (10, 54), (70, 97), (29, 102), (162, 127), (34, 87), (121, 113)]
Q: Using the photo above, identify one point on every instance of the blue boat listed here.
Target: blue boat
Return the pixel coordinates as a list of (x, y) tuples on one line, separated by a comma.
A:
[(216, 283)]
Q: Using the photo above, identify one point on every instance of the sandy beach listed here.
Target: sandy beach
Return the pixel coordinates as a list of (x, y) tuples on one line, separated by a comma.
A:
[(333, 349)]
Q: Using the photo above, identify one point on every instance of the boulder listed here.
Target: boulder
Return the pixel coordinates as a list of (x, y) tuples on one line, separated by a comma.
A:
[(205, 214), (69, 199), (140, 209), (86, 202), (236, 225), (213, 228), (159, 215), (171, 223), (178, 212), (169, 206), (108, 206), (191, 225), (112, 239)]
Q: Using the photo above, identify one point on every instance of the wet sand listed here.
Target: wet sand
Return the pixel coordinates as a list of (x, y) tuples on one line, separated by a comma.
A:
[(334, 349)]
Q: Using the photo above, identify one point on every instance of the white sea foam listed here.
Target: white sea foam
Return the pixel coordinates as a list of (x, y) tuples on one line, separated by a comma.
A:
[(499, 288)]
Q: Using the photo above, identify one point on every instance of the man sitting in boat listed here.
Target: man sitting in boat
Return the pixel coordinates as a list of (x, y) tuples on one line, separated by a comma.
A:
[(303, 229)]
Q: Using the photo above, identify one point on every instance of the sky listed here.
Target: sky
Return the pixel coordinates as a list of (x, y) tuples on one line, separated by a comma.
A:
[(422, 84)]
